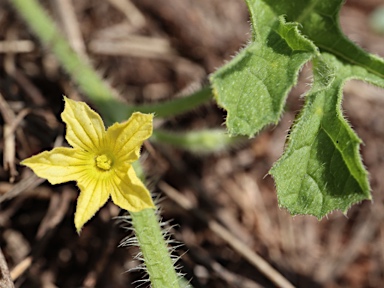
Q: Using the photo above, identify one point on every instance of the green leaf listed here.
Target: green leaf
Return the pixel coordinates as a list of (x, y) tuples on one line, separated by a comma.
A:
[(253, 87), (321, 169), (320, 22)]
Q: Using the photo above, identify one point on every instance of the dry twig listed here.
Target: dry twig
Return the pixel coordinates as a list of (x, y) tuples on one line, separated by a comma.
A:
[(70, 25), (5, 279)]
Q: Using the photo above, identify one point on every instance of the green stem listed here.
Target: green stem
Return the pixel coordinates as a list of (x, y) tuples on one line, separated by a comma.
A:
[(155, 252), (87, 79), (80, 71), (201, 141), (175, 106)]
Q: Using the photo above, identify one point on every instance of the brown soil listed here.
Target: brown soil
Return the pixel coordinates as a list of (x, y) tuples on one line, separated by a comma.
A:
[(149, 54)]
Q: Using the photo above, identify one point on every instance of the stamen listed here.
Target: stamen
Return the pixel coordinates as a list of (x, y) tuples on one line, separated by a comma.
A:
[(103, 162)]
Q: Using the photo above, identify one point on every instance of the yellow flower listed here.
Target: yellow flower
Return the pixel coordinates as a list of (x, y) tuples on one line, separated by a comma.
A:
[(100, 161)]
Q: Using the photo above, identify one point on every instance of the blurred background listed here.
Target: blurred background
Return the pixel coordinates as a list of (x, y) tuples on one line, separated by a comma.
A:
[(151, 51)]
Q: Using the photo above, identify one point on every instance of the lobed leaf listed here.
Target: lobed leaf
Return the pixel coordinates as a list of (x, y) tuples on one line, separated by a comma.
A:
[(253, 87), (321, 169), (320, 22)]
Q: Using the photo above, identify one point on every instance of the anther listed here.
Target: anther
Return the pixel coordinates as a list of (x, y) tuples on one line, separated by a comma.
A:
[(103, 162)]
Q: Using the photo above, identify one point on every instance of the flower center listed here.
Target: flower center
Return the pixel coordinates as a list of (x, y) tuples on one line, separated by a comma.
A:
[(103, 162)]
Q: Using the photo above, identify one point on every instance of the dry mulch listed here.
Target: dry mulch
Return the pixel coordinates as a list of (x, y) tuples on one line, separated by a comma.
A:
[(151, 50)]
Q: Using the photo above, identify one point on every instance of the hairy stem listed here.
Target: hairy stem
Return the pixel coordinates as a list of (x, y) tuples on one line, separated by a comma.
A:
[(155, 252)]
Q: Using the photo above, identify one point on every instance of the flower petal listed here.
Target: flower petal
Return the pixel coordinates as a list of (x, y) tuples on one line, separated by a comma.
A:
[(129, 193), (60, 164), (94, 192), (127, 137), (85, 128)]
